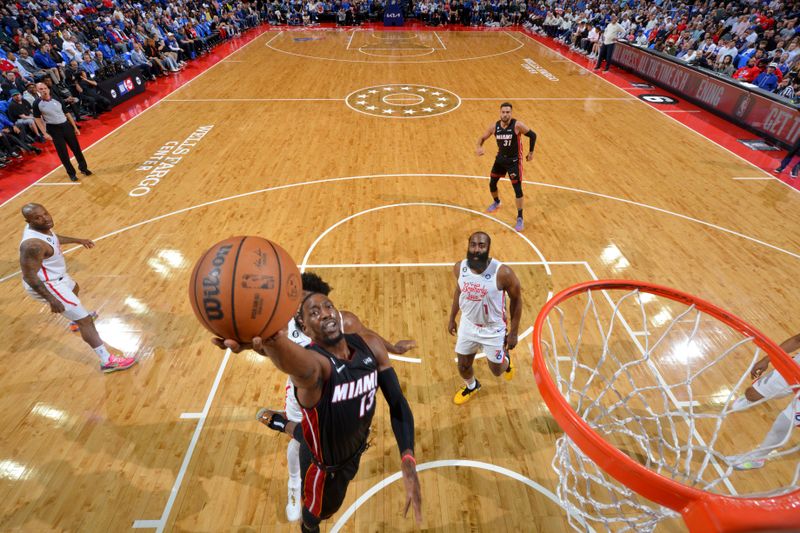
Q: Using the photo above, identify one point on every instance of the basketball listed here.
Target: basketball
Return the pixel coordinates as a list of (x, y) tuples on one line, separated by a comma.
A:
[(245, 287)]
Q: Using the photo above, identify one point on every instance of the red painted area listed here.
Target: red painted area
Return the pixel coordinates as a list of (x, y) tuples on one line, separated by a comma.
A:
[(22, 173)]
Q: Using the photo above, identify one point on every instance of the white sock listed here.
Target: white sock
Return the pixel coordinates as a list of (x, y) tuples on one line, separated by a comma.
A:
[(293, 462), (470, 383), (102, 353)]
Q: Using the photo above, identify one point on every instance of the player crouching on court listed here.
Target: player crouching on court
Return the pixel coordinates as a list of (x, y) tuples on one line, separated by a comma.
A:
[(481, 287), (336, 379)]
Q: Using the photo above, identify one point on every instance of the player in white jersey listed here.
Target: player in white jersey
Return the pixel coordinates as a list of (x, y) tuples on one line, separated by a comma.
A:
[(350, 323), (45, 278), (482, 284), (769, 385)]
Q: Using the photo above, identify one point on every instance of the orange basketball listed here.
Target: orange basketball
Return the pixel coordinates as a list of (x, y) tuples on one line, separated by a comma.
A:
[(245, 287)]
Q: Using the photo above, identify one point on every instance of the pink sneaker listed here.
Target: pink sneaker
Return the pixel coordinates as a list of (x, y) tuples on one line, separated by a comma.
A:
[(494, 207), (116, 362)]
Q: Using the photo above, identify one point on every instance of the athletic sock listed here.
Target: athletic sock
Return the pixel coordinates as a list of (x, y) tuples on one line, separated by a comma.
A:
[(102, 353), (471, 384), (293, 462), (519, 213)]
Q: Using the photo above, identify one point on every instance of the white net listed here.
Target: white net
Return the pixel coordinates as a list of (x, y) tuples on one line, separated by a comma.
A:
[(662, 382)]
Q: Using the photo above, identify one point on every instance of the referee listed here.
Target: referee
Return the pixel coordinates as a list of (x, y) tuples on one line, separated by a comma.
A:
[(60, 127)]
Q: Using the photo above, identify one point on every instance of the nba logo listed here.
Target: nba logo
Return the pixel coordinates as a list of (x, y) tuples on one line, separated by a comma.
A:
[(129, 84)]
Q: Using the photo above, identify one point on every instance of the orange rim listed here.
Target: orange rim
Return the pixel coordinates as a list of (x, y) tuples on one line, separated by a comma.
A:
[(701, 510)]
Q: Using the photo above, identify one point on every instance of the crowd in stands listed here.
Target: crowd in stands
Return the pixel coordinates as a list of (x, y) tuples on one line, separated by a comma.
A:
[(72, 46), (753, 42)]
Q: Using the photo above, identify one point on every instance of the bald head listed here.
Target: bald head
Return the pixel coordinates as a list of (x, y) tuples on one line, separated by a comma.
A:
[(37, 217)]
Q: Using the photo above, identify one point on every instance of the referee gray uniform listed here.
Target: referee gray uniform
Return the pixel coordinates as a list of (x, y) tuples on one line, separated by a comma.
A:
[(63, 134)]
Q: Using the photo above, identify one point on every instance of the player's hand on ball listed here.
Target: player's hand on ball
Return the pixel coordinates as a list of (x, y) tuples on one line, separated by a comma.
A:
[(403, 346), (231, 344), (413, 492)]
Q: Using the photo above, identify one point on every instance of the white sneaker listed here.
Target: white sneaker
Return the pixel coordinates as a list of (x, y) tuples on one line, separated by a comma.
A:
[(740, 404), (294, 507)]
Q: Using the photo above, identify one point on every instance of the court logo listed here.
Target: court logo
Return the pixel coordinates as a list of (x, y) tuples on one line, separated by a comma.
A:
[(403, 101), (535, 68)]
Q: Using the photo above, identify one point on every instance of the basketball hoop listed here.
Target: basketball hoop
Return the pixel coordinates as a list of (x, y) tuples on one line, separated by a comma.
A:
[(643, 374)]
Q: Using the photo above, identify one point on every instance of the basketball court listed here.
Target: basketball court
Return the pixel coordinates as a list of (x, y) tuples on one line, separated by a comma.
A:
[(354, 149)]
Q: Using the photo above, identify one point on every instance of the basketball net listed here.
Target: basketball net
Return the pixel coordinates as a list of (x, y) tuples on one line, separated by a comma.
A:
[(644, 381)]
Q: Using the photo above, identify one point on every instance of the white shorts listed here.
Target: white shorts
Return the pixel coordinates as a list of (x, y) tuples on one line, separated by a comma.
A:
[(772, 384), (473, 339), (62, 289), (290, 405)]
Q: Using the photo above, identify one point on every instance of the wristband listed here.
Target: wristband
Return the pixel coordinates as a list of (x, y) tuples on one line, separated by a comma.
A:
[(277, 422), (408, 456)]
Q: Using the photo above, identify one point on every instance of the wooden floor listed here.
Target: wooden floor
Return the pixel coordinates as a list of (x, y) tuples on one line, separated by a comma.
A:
[(380, 206)]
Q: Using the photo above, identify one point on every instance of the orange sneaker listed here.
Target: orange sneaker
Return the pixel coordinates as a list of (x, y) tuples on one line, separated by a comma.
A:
[(116, 362)]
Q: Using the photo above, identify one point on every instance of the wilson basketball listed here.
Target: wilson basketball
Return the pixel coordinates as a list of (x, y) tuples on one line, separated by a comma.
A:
[(245, 287)]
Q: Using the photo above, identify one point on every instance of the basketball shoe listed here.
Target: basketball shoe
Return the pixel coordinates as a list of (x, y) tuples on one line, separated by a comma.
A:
[(508, 375), (494, 207), (750, 464), (520, 225), (294, 507), (117, 362), (465, 394)]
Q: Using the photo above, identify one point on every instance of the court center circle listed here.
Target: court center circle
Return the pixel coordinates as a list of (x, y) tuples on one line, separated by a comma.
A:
[(403, 101)]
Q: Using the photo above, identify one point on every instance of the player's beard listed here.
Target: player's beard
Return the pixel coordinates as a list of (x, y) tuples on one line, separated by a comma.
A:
[(332, 341), (478, 262)]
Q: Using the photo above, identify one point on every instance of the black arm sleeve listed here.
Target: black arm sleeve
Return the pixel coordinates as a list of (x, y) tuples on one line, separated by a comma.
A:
[(402, 418), (532, 136)]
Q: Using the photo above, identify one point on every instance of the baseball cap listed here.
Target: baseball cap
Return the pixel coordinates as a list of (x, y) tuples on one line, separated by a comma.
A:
[(13, 92), (773, 65)]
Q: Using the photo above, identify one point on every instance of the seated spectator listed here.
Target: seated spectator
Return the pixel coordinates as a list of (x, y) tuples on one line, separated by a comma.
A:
[(139, 59), (27, 65), (747, 73), (11, 82), (726, 67), (20, 113), (89, 65), (768, 80), (45, 62)]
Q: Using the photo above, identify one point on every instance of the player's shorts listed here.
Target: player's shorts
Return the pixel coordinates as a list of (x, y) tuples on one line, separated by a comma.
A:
[(323, 492), (772, 384), (473, 339), (62, 288), (290, 404), (506, 165)]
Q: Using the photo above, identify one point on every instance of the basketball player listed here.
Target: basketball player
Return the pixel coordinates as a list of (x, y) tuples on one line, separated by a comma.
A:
[(45, 278), (508, 133), (336, 378), (770, 385), (350, 324), (481, 285)]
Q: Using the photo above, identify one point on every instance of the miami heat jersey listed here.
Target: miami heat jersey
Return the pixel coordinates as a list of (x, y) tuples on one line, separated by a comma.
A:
[(481, 302), (53, 267), (337, 428), (507, 140)]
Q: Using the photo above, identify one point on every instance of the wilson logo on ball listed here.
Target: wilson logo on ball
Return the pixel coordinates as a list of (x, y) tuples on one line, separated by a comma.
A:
[(211, 304)]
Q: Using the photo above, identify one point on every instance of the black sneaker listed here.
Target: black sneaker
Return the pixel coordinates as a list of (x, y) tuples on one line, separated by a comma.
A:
[(793, 173), (73, 177), (86, 172)]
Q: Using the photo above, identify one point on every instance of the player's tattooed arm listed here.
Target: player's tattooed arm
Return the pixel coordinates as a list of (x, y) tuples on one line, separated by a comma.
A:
[(32, 253)]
